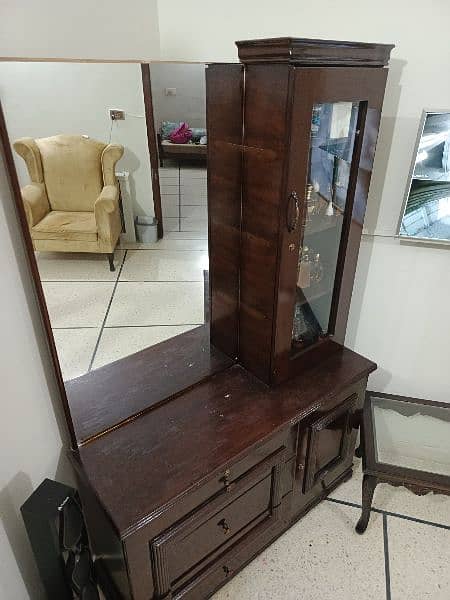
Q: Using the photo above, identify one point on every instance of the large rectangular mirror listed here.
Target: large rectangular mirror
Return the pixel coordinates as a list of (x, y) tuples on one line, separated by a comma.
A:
[(426, 210), (111, 162)]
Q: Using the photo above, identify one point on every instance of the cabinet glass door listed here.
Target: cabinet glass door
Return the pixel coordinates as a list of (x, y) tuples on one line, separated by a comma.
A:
[(332, 140)]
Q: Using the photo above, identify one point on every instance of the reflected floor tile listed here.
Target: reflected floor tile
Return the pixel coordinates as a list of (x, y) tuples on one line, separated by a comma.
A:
[(186, 235), (170, 187), (419, 559), (170, 206), (171, 224), (431, 507), (193, 172), (61, 266), (195, 212), (193, 200), (168, 303), (319, 558), (168, 172), (75, 348), (193, 224), (118, 342), (164, 265), (81, 304), (167, 243)]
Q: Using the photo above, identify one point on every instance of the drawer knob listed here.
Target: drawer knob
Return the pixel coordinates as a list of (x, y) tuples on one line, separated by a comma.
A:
[(226, 478), (227, 571), (226, 528)]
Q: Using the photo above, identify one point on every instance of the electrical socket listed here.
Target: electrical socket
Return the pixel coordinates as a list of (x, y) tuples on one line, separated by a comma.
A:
[(116, 115), (171, 91)]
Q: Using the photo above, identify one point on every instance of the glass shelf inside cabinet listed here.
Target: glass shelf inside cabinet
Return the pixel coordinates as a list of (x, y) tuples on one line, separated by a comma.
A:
[(332, 140)]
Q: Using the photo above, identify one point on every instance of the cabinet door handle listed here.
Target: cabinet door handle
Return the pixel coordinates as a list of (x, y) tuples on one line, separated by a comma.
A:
[(293, 212)]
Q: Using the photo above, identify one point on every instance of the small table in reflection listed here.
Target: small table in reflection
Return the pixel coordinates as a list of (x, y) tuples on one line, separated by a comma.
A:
[(404, 441)]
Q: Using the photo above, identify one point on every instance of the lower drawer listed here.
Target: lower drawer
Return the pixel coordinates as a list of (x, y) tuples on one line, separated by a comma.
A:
[(194, 545)]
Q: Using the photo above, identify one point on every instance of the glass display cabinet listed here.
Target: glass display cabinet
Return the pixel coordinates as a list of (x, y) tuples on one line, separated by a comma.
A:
[(299, 123)]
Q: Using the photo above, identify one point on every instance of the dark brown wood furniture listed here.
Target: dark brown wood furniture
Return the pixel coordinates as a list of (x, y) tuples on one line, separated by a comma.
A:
[(391, 430), (181, 498), (193, 456), (180, 152)]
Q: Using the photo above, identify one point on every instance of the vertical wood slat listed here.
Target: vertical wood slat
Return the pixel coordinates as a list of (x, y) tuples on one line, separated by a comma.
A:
[(224, 93), (152, 145)]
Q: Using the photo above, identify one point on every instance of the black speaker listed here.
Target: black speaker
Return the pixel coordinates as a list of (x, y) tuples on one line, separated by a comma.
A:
[(55, 525)]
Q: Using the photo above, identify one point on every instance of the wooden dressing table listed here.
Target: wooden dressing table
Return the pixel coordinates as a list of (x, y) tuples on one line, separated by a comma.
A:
[(192, 456)]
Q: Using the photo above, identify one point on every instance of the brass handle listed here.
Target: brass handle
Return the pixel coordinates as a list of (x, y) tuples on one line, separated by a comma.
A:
[(226, 528), (293, 212)]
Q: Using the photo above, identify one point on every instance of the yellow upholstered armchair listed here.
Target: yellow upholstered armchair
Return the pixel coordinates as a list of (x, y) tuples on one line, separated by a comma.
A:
[(72, 202)]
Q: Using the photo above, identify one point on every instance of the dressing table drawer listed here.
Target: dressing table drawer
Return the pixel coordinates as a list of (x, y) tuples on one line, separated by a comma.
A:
[(196, 543)]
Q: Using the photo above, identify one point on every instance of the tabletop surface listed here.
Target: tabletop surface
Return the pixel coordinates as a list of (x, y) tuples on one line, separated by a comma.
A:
[(410, 433)]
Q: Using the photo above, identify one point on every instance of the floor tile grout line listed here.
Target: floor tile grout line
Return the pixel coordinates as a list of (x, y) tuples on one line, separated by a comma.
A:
[(387, 571), (127, 326), (107, 313), (161, 281), (391, 514), (156, 325)]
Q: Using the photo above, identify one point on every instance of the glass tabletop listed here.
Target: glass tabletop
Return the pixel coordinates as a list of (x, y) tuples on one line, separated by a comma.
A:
[(411, 435)]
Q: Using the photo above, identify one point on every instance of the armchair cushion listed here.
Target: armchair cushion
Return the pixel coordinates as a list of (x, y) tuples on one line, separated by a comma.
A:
[(35, 202), (107, 217), (72, 171), (65, 225)]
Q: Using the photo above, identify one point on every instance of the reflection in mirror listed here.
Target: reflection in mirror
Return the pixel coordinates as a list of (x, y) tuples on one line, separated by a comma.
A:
[(81, 151), (426, 213)]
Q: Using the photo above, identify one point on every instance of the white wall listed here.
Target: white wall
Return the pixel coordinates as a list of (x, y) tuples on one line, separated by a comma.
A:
[(41, 99), (400, 307), (81, 29), (31, 443), (189, 104), (30, 440)]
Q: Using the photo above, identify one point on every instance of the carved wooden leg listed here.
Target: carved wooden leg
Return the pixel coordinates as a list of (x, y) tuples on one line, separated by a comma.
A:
[(368, 487), (111, 262)]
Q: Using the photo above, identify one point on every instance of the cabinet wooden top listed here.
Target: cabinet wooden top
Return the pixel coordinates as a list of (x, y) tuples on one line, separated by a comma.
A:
[(166, 453), (303, 51)]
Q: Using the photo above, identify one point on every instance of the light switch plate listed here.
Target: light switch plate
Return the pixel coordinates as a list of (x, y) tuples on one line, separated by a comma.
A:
[(116, 115), (171, 91)]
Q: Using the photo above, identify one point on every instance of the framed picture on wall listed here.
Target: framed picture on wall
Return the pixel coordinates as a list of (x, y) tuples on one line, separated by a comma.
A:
[(425, 214)]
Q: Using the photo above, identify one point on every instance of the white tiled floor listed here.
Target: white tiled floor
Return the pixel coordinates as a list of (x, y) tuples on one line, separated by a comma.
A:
[(184, 198), (399, 557), (156, 292)]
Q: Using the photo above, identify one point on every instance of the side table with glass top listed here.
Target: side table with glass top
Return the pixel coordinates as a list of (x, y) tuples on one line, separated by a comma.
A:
[(404, 441)]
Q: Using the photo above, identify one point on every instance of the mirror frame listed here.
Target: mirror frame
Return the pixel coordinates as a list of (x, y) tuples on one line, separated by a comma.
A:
[(407, 238), (187, 343)]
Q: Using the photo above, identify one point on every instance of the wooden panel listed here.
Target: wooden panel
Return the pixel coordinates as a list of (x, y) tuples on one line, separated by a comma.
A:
[(265, 146), (190, 439), (362, 85), (328, 444), (122, 390), (224, 94), (301, 51)]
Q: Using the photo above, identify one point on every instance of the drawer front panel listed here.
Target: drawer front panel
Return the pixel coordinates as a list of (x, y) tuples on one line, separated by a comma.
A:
[(252, 503), (221, 528)]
